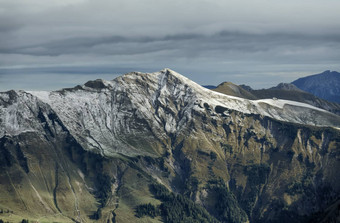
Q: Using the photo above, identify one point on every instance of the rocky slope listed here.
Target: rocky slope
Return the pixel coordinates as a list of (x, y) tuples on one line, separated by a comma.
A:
[(94, 152)]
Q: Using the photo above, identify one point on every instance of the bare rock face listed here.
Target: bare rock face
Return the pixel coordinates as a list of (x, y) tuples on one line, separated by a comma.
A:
[(92, 152)]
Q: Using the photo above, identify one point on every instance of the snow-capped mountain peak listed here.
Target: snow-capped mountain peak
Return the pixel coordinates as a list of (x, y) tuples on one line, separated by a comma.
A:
[(106, 116)]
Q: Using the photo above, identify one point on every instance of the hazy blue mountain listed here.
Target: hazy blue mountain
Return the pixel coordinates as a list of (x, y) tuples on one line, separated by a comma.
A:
[(325, 85), (209, 86)]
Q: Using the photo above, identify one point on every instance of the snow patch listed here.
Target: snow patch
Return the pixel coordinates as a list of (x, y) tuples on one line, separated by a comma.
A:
[(42, 95)]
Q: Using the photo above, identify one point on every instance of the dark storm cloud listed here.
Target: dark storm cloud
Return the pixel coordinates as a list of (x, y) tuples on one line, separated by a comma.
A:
[(84, 70), (259, 40), (78, 45), (194, 43)]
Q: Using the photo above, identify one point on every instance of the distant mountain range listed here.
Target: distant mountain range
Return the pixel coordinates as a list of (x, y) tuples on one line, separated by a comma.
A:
[(320, 90), (282, 91), (325, 85)]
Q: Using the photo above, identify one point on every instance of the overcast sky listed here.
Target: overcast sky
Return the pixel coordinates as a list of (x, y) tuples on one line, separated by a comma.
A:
[(50, 44)]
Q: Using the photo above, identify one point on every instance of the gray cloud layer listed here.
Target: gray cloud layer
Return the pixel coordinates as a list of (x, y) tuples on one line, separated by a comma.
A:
[(257, 42)]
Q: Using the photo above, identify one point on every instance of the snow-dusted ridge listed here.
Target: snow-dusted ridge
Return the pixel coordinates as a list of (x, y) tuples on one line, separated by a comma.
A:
[(275, 108), (106, 115), (273, 102)]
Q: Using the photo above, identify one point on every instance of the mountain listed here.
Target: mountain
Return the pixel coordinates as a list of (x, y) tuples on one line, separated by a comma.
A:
[(209, 86), (286, 86), (246, 87), (325, 85), (231, 89), (281, 91), (157, 147)]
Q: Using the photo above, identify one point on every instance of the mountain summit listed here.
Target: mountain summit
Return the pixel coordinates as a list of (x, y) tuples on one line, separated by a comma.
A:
[(158, 147), (325, 85), (163, 101)]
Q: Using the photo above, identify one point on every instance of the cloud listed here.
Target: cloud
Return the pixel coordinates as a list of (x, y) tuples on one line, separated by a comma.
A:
[(222, 41), (220, 38)]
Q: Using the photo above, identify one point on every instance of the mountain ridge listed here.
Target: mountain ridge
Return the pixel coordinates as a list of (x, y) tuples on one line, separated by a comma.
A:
[(99, 149), (148, 100), (281, 91)]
